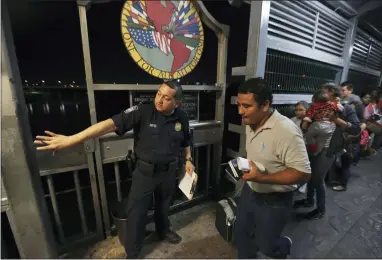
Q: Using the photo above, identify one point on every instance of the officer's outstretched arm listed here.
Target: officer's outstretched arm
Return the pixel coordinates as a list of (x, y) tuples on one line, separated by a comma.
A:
[(56, 142)]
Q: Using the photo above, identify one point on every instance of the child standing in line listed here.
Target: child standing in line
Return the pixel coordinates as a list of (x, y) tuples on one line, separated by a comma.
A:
[(300, 111)]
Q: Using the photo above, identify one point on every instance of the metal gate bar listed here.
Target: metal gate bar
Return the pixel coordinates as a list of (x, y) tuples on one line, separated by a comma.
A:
[(56, 211), (84, 225), (208, 169), (82, 8), (117, 181)]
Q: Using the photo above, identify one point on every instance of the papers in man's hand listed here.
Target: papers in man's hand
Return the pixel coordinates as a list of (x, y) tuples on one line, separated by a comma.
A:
[(236, 166), (188, 184), (234, 170), (243, 164)]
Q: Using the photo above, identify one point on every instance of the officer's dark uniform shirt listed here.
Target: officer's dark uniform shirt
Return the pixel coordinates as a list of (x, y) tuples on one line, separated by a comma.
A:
[(158, 138)]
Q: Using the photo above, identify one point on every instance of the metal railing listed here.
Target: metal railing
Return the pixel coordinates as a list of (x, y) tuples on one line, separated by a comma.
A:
[(114, 150)]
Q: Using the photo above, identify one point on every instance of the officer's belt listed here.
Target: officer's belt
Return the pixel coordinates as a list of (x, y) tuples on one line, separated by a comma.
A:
[(160, 166)]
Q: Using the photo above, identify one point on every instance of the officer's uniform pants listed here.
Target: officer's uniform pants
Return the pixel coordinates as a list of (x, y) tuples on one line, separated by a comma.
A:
[(147, 179)]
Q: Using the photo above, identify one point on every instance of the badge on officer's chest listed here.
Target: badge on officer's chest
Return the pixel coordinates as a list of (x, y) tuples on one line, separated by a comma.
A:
[(178, 126)]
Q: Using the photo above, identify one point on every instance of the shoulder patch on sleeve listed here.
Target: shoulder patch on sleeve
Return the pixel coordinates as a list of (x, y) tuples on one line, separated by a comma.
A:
[(131, 109)]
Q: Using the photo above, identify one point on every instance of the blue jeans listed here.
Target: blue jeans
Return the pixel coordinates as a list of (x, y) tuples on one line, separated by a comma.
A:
[(320, 165), (260, 220)]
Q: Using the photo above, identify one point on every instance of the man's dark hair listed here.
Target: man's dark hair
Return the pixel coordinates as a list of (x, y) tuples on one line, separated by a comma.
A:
[(348, 85), (173, 84), (320, 96), (259, 88), (332, 87)]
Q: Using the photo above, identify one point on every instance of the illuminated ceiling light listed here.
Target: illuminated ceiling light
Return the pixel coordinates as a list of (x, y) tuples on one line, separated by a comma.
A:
[(42, 81)]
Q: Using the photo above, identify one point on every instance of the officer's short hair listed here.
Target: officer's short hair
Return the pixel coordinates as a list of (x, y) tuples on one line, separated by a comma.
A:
[(259, 88), (173, 84), (348, 85)]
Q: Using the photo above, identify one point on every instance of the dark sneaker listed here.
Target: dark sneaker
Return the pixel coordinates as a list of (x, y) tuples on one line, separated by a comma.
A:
[(314, 214), (289, 240), (302, 204), (171, 237), (339, 188)]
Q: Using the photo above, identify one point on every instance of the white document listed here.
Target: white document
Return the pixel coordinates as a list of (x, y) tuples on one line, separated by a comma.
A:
[(243, 164), (187, 184)]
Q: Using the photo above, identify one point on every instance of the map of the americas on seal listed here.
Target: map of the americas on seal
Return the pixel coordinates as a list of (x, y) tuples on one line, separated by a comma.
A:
[(165, 38)]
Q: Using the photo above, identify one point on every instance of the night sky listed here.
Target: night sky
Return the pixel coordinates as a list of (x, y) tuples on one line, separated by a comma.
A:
[(48, 43)]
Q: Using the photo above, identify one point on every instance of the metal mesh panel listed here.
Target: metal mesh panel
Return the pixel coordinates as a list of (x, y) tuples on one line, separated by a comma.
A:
[(308, 23), (286, 110), (366, 51), (362, 82), (287, 73)]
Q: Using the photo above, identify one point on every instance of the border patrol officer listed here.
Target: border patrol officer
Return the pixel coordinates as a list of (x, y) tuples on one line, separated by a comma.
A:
[(160, 130), (265, 204)]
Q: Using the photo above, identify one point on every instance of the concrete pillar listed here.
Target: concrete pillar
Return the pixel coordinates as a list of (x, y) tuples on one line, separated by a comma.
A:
[(27, 213)]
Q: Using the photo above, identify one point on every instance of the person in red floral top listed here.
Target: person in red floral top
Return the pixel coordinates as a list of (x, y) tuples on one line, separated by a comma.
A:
[(320, 122)]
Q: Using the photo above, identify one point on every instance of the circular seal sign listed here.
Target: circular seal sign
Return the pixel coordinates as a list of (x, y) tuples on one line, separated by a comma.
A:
[(165, 38)]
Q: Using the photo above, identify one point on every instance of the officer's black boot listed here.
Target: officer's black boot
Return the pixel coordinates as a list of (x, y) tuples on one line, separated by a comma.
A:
[(171, 237)]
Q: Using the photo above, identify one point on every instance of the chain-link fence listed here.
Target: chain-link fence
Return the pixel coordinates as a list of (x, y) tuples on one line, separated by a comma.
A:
[(286, 110), (362, 82), (288, 73)]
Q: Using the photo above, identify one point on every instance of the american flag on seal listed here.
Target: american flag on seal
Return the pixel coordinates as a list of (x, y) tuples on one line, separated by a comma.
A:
[(151, 39), (144, 33), (172, 27)]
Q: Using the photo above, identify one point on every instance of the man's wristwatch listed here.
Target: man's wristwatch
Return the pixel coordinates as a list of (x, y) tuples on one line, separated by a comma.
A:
[(189, 159)]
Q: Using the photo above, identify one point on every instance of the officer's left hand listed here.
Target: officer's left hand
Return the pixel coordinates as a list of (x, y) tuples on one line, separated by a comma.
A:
[(253, 174), (189, 168)]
